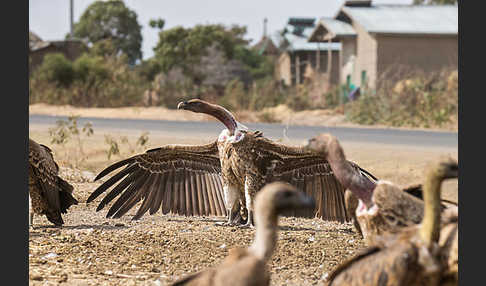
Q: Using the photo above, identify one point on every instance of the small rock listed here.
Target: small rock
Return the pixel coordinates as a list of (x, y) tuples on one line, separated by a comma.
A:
[(63, 278), (109, 272), (37, 277), (324, 276), (50, 255), (222, 245)]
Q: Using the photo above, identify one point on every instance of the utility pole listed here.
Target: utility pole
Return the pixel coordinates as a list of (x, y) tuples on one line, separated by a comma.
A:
[(71, 17), (265, 27)]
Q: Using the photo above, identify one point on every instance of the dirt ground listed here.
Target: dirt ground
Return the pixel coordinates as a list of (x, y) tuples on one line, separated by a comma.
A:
[(156, 250)]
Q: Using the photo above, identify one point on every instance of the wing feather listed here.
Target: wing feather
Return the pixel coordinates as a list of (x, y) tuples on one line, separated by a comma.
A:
[(180, 179), (313, 175)]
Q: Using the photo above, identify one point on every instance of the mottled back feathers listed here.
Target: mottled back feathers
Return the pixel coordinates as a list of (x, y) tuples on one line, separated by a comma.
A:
[(50, 194)]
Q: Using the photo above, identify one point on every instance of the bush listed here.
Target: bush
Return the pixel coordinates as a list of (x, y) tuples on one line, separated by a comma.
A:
[(422, 100), (56, 69), (95, 81)]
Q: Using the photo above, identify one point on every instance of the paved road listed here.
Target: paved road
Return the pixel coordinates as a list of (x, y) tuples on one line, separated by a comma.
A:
[(212, 129)]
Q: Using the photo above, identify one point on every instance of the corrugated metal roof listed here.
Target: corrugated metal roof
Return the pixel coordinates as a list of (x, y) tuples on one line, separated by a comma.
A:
[(338, 28), (406, 19), (297, 43)]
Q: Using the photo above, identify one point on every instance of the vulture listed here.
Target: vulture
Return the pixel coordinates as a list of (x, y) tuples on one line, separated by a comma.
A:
[(248, 266), (222, 177), (382, 206), (49, 194), (412, 256)]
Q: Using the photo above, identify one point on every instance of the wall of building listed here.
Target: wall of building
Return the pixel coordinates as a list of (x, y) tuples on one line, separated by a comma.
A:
[(400, 54), (285, 68), (366, 57), (282, 69), (347, 59)]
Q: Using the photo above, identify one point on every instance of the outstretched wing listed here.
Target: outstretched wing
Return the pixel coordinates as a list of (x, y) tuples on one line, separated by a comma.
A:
[(314, 176), (184, 180), (311, 173)]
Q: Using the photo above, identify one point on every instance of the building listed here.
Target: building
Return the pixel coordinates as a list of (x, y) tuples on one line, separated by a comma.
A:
[(266, 46), (38, 48), (300, 59), (382, 42)]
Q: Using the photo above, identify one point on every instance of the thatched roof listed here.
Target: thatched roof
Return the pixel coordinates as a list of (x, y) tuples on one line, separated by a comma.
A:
[(266, 47)]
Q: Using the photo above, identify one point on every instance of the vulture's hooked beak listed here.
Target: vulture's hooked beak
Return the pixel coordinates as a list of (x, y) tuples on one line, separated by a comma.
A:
[(182, 105)]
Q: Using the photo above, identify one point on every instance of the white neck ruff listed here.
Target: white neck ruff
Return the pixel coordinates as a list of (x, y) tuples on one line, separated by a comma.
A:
[(225, 136)]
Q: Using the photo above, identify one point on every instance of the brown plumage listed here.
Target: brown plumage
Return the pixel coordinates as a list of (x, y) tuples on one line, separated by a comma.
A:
[(382, 206), (249, 160), (352, 202), (249, 266), (179, 179), (49, 194), (410, 257), (449, 248), (231, 169)]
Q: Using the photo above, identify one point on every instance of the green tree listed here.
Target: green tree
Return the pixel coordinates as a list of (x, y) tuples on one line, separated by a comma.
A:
[(104, 20), (157, 23), (436, 2), (184, 47), (259, 66)]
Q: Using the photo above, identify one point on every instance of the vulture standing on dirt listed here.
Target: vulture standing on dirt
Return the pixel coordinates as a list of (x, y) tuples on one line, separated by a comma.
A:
[(382, 206), (220, 177), (248, 266), (412, 256), (49, 194)]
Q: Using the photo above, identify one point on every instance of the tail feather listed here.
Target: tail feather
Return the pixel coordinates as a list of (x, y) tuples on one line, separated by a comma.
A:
[(65, 195)]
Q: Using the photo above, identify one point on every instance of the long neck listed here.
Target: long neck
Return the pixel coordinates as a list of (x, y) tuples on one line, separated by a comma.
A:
[(430, 227), (348, 176), (224, 116), (265, 234)]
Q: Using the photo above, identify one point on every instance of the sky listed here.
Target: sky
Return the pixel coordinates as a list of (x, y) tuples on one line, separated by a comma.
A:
[(49, 19)]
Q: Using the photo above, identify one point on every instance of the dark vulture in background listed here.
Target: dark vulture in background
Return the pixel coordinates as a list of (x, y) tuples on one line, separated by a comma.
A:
[(49, 194)]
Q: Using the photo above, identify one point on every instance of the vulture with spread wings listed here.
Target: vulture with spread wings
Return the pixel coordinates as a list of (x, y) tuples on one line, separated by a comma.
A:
[(220, 178)]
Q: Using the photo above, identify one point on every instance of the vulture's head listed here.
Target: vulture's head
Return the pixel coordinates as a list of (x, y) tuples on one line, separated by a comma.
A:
[(326, 145), (445, 168), (278, 197), (195, 105), (218, 112)]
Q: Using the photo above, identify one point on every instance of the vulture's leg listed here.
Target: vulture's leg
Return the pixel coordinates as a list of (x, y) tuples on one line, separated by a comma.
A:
[(351, 202), (253, 183), (231, 199)]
